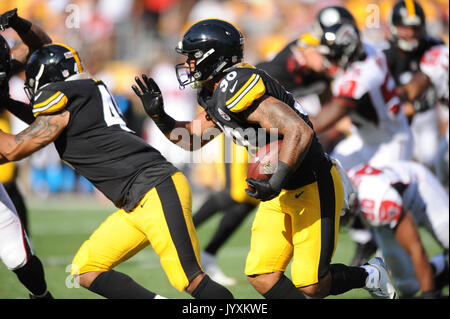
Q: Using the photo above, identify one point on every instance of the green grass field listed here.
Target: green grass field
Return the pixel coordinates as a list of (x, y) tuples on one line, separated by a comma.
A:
[(60, 224)]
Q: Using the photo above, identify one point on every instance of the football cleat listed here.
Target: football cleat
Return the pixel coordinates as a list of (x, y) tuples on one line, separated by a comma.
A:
[(379, 282), (214, 272)]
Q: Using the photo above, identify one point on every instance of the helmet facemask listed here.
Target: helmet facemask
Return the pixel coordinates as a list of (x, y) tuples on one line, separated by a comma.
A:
[(199, 67), (341, 45)]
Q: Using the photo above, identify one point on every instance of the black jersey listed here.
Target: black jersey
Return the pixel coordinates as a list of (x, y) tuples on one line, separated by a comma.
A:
[(295, 77), (98, 144), (239, 92), (402, 64)]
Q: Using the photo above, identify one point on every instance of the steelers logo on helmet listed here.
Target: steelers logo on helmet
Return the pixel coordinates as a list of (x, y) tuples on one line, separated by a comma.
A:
[(211, 46), (51, 63)]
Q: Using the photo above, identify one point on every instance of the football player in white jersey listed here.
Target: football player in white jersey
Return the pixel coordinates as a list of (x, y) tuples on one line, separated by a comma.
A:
[(364, 90), (433, 73), (394, 198), (15, 249)]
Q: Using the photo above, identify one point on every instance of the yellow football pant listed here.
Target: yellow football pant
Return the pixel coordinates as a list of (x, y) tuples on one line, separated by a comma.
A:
[(301, 225), (162, 218)]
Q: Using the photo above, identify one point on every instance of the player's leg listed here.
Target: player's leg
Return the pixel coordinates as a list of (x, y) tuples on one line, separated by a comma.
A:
[(215, 203), (270, 252), (113, 242), (165, 216), (315, 228), (231, 220), (16, 251), (19, 203)]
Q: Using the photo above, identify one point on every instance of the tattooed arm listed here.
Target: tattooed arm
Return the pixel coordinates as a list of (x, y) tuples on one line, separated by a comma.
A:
[(44, 130), (297, 134), (297, 137)]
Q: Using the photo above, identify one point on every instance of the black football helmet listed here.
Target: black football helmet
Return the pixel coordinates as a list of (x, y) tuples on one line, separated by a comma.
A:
[(51, 63), (407, 13), (5, 62), (340, 40), (211, 46)]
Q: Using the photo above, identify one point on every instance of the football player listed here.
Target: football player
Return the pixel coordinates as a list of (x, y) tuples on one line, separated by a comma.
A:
[(409, 41), (16, 250), (363, 89), (80, 116), (298, 218), (433, 73), (395, 200)]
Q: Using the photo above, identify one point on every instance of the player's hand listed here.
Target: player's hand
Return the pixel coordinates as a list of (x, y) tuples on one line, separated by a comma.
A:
[(262, 189), (7, 19), (150, 95)]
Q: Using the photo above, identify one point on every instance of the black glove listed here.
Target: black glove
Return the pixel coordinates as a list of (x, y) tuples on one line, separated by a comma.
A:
[(150, 95), (263, 190), (8, 19), (153, 103)]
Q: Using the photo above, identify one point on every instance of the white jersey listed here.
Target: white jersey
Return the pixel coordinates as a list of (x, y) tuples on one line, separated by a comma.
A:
[(368, 86), (385, 193), (434, 64)]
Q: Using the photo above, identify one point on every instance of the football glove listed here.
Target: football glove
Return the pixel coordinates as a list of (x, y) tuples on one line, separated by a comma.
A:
[(150, 95), (262, 189), (153, 103), (7, 19)]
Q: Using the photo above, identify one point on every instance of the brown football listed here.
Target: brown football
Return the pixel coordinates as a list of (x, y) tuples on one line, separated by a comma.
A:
[(264, 163)]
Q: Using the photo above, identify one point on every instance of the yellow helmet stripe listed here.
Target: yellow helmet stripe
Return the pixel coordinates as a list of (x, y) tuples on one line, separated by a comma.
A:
[(410, 8), (75, 55)]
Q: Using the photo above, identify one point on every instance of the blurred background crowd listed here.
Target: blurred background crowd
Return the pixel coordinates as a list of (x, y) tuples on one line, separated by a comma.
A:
[(119, 39)]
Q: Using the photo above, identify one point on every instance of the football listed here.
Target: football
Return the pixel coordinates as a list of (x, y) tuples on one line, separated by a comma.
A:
[(263, 164)]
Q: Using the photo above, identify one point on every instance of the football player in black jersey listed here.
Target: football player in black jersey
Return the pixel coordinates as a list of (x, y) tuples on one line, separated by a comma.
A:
[(409, 41), (15, 249), (80, 116), (299, 215)]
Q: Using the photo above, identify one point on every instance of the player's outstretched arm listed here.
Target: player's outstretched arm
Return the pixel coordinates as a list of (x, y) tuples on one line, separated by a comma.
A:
[(32, 35), (44, 130), (330, 113), (188, 135)]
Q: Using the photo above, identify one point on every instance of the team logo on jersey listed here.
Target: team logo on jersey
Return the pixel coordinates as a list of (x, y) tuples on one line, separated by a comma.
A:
[(224, 115)]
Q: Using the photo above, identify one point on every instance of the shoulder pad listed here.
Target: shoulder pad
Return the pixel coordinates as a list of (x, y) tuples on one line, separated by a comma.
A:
[(240, 88), (48, 101)]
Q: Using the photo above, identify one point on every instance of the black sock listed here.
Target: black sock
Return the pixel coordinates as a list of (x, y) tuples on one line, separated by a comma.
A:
[(345, 278), (116, 285), (231, 220), (209, 289), (32, 276), (284, 289)]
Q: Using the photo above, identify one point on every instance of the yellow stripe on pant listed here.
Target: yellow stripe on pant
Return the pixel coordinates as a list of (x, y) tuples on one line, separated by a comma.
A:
[(298, 224), (162, 218)]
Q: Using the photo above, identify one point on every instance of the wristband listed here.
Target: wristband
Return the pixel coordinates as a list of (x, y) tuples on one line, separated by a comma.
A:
[(278, 178), (21, 26)]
